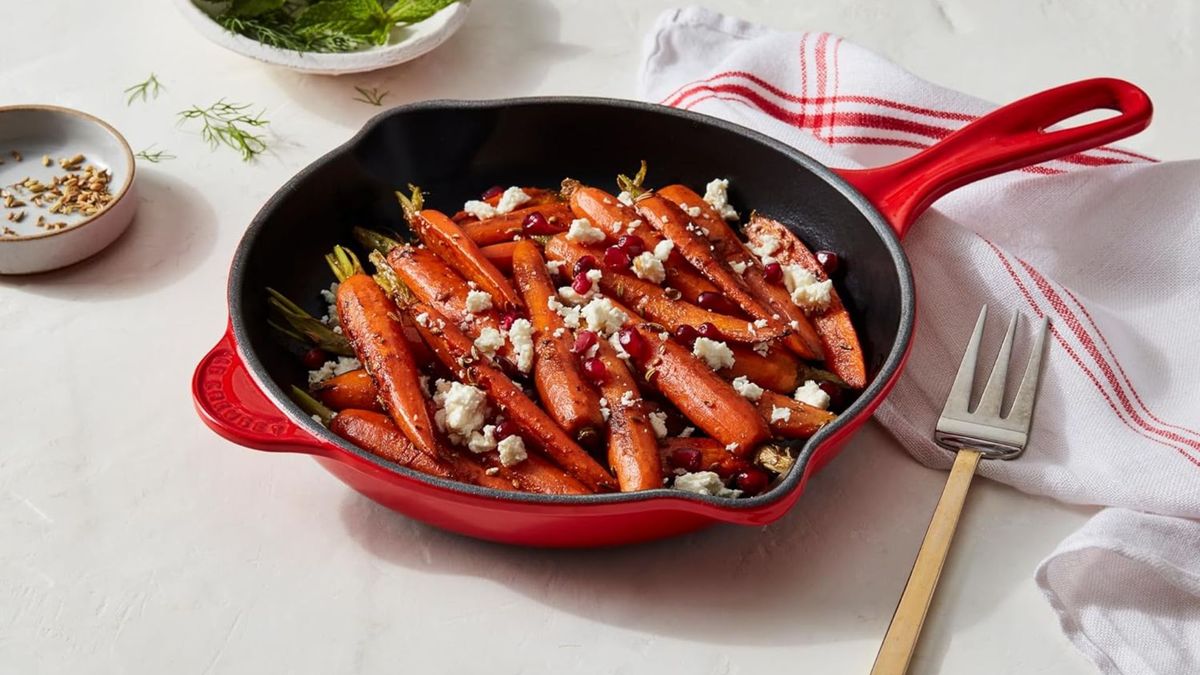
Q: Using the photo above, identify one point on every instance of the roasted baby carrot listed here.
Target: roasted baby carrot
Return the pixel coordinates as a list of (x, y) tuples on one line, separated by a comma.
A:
[(666, 217), (804, 340), (455, 351), (447, 239), (504, 227), (368, 319), (712, 453), (569, 399), (701, 395), (354, 389), (632, 443), (655, 303), (776, 369), (376, 433), (843, 353), (800, 419), (500, 255)]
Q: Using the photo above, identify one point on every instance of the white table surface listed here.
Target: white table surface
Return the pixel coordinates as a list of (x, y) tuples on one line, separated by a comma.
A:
[(133, 540)]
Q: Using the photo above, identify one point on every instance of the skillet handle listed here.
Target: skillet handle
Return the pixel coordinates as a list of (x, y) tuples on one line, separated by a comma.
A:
[(231, 404), (1012, 137)]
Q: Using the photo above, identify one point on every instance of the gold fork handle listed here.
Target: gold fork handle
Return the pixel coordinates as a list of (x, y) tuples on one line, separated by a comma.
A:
[(901, 639)]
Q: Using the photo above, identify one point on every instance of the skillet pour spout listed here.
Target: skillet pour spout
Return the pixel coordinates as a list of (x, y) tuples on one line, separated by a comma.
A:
[(456, 149)]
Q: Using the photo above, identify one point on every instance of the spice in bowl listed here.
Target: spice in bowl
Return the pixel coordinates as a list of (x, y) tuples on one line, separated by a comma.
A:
[(82, 191)]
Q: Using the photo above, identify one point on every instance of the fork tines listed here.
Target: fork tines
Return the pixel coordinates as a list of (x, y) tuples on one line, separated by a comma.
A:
[(983, 428)]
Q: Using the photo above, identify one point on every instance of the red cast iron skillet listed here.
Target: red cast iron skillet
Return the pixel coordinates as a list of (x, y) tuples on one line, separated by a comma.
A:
[(456, 149)]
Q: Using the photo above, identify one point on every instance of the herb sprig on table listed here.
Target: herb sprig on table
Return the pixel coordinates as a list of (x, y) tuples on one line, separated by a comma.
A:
[(229, 124), (323, 25)]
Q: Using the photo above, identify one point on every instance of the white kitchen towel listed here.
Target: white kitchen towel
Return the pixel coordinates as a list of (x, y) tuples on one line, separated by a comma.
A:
[(1104, 243)]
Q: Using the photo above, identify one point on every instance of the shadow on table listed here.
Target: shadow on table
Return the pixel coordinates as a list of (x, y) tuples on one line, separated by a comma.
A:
[(505, 47), (831, 570), (174, 230)]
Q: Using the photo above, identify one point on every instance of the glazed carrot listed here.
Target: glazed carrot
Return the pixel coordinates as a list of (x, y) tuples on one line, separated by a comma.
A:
[(535, 474), (354, 389), (447, 239), (456, 352), (843, 353), (377, 434), (777, 369), (701, 395), (654, 303), (569, 399), (368, 320), (666, 217), (431, 281), (712, 453), (804, 340), (504, 227), (615, 219), (500, 255), (801, 421), (632, 443)]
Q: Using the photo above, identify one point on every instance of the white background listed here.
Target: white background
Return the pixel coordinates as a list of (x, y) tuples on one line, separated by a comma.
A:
[(133, 540)]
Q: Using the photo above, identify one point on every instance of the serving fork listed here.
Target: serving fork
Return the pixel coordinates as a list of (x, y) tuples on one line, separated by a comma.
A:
[(981, 433)]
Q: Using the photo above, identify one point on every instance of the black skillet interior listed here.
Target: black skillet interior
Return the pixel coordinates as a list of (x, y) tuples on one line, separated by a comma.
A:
[(454, 150)]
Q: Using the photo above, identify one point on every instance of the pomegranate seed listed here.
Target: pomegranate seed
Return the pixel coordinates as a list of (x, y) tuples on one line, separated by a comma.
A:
[(506, 321), (835, 393), (584, 265), (584, 341), (536, 223), (616, 258), (686, 334), (632, 244), (752, 481), (773, 273), (595, 369), (314, 358), (715, 302), (582, 284), (505, 429), (829, 261), (634, 344), (687, 459), (494, 191), (709, 331)]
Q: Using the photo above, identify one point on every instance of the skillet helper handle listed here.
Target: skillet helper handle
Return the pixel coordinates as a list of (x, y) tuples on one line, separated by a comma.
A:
[(1012, 137), (901, 639), (231, 404)]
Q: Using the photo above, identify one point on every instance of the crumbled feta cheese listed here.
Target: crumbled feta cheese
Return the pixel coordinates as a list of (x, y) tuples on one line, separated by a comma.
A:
[(687, 432), (559, 332), (478, 301), (570, 315), (344, 364), (604, 317), (766, 248), (761, 348), (662, 250), (462, 409), (489, 341), (628, 399), (812, 394), (483, 440), (615, 341), (604, 409), (731, 447), (625, 198), (554, 266), (760, 323), (647, 266), (780, 414), (594, 276), (331, 313), (704, 483), (808, 293), (512, 450), (511, 199), (520, 334), (481, 210), (739, 267), (716, 193), (693, 211), (715, 353), (658, 420), (492, 471), (423, 319), (582, 231), (662, 218), (569, 294), (746, 388)]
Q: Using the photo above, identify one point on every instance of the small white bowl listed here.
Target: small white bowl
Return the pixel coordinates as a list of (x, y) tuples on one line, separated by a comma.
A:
[(38, 130), (406, 43)]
